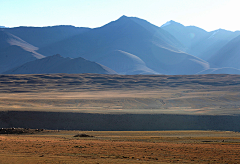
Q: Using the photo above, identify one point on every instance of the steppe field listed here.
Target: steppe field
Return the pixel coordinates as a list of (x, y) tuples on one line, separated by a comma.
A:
[(130, 119), (121, 147), (116, 94)]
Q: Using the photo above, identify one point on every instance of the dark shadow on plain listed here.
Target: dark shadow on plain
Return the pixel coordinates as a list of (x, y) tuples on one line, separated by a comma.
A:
[(117, 122)]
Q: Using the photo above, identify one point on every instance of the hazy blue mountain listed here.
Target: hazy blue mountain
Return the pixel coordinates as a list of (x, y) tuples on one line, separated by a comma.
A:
[(155, 30), (128, 45), (215, 42), (125, 63), (224, 70), (199, 42), (3, 27), (229, 55), (187, 35), (58, 64), (43, 36), (145, 47), (14, 51)]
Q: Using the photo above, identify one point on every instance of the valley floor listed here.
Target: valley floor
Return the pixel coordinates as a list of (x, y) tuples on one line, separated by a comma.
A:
[(121, 147), (115, 102), (120, 102), (117, 94)]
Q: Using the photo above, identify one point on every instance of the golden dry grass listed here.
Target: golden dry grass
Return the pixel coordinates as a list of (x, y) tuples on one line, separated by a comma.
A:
[(122, 147), (105, 94), (133, 101)]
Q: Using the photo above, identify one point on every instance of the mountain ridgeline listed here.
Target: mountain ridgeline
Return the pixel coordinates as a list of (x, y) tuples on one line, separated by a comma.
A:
[(59, 64), (127, 46)]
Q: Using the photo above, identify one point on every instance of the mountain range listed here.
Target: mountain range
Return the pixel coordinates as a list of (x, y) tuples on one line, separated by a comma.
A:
[(128, 46), (199, 42)]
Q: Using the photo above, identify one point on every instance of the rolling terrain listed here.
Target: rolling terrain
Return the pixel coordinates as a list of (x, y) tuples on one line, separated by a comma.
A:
[(118, 102), (126, 92), (125, 118)]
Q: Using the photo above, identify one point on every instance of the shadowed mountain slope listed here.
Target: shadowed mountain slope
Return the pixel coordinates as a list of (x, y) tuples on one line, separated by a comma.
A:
[(229, 55), (126, 63), (58, 64), (15, 51), (158, 51), (187, 35), (199, 42), (43, 36), (128, 45)]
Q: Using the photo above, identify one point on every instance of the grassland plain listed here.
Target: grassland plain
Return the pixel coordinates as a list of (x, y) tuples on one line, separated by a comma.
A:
[(121, 147), (117, 102)]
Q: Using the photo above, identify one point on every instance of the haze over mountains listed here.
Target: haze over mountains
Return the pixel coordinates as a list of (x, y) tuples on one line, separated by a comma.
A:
[(58, 64), (199, 42), (128, 45), (228, 55)]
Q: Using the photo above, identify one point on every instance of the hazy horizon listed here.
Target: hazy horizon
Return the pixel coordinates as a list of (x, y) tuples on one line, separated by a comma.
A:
[(209, 15)]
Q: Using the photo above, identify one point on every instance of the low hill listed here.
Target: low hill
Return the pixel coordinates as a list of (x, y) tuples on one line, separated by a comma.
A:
[(126, 63), (58, 64)]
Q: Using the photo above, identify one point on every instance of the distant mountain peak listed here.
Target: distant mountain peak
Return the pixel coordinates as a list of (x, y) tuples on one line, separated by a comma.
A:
[(123, 16), (166, 24), (57, 55), (3, 27), (171, 22), (221, 30)]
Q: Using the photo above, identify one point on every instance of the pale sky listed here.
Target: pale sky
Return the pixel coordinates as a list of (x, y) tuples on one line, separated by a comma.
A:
[(207, 14)]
